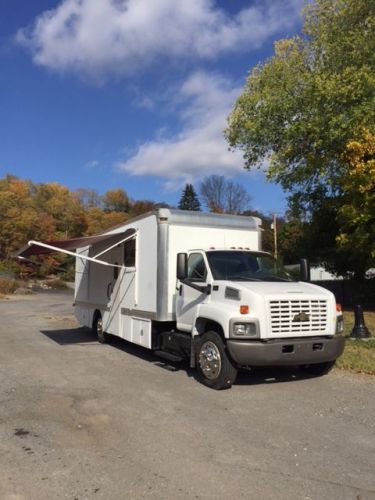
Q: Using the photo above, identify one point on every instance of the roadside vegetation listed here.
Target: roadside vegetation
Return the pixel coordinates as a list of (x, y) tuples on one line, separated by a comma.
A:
[(8, 286), (359, 355), (50, 211)]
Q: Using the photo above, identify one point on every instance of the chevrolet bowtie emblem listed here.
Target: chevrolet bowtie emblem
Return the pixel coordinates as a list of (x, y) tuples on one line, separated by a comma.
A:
[(301, 316)]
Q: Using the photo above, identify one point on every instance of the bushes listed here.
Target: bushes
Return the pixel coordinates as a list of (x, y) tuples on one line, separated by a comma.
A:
[(55, 283), (9, 285)]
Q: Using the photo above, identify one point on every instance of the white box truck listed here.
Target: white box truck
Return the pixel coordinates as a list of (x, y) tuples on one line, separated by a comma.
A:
[(197, 285)]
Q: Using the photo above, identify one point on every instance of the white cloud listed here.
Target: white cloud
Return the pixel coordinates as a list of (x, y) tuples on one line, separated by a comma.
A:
[(97, 37), (199, 149), (92, 164)]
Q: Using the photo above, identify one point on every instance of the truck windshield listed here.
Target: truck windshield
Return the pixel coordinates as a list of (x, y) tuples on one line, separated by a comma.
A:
[(245, 266)]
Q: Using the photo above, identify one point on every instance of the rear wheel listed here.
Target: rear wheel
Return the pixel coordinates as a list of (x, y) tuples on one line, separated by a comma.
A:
[(215, 368), (318, 369), (98, 328)]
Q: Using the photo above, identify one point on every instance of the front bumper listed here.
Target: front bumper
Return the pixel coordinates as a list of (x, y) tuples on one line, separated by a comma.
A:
[(292, 351)]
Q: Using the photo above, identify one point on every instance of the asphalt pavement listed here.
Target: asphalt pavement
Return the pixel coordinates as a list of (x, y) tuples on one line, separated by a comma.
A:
[(81, 420)]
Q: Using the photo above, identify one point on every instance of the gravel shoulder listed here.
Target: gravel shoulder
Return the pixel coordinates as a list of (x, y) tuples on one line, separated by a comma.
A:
[(81, 420)]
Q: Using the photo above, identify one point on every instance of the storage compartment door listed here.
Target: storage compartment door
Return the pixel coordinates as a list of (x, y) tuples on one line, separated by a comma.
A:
[(138, 331)]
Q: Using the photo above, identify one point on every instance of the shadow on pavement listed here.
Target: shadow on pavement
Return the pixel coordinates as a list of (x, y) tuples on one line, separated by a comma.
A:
[(271, 375), (80, 335), (253, 376)]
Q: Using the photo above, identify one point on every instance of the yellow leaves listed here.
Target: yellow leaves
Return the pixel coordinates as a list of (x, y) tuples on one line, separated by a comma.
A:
[(98, 220), (357, 212), (342, 239), (287, 47), (360, 157)]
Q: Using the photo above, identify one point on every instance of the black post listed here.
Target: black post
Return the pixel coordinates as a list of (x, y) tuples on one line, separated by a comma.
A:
[(305, 274), (360, 330)]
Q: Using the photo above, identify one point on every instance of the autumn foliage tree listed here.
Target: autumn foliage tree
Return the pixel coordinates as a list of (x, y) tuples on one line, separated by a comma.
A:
[(116, 200), (63, 206), (50, 211), (356, 214), (19, 219)]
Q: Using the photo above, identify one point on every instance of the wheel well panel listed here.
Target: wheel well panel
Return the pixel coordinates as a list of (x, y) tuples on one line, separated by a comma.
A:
[(203, 325), (96, 314)]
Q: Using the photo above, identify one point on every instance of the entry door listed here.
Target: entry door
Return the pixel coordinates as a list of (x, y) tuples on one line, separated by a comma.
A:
[(189, 299), (113, 290), (113, 286)]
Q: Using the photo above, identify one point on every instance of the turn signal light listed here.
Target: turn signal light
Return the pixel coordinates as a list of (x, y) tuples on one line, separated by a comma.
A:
[(244, 309), (338, 308)]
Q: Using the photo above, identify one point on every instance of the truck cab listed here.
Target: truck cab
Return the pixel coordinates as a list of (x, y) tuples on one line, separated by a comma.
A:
[(244, 309)]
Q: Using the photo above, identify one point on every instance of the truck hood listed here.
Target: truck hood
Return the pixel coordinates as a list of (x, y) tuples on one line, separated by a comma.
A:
[(269, 288)]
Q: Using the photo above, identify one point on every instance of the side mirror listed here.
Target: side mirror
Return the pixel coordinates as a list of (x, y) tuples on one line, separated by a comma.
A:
[(181, 266), (305, 270)]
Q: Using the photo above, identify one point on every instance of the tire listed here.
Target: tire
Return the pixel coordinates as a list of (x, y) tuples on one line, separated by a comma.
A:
[(215, 368), (98, 328), (318, 369)]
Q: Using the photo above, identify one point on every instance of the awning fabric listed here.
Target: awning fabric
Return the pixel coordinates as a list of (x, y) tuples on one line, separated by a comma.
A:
[(74, 243)]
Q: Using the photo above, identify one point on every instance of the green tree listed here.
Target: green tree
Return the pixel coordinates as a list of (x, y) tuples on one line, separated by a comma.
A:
[(267, 231), (291, 241), (189, 199), (301, 108)]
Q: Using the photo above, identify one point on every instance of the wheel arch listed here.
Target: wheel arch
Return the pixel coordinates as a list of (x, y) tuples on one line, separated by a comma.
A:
[(97, 313), (203, 325)]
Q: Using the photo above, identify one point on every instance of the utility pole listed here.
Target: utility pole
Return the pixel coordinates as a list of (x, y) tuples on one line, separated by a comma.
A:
[(274, 225)]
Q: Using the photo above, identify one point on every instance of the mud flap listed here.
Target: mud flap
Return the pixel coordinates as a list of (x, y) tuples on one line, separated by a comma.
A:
[(193, 345)]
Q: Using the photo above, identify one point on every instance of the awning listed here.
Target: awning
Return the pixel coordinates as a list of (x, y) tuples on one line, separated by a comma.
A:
[(34, 248)]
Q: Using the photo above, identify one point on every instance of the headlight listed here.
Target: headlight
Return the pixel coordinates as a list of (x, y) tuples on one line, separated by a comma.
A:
[(244, 329), (339, 324)]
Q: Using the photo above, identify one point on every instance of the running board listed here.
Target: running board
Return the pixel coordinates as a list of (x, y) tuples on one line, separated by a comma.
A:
[(175, 358)]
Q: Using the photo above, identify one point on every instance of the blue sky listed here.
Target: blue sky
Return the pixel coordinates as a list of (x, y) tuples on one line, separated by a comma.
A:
[(132, 93)]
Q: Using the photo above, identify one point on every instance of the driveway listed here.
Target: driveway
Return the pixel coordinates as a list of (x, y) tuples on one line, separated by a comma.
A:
[(81, 420)]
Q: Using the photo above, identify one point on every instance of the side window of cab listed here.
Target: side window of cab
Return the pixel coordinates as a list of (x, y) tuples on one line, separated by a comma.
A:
[(197, 270)]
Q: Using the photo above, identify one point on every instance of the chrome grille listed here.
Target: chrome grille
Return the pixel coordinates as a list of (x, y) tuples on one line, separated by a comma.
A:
[(298, 316)]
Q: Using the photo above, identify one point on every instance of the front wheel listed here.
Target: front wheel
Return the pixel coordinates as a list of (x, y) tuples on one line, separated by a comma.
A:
[(215, 368), (318, 369)]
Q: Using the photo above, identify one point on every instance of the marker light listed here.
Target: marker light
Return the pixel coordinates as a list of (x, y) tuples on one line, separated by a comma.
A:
[(244, 309)]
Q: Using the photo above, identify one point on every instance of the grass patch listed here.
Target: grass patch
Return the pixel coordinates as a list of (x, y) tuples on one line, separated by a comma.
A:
[(359, 355)]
